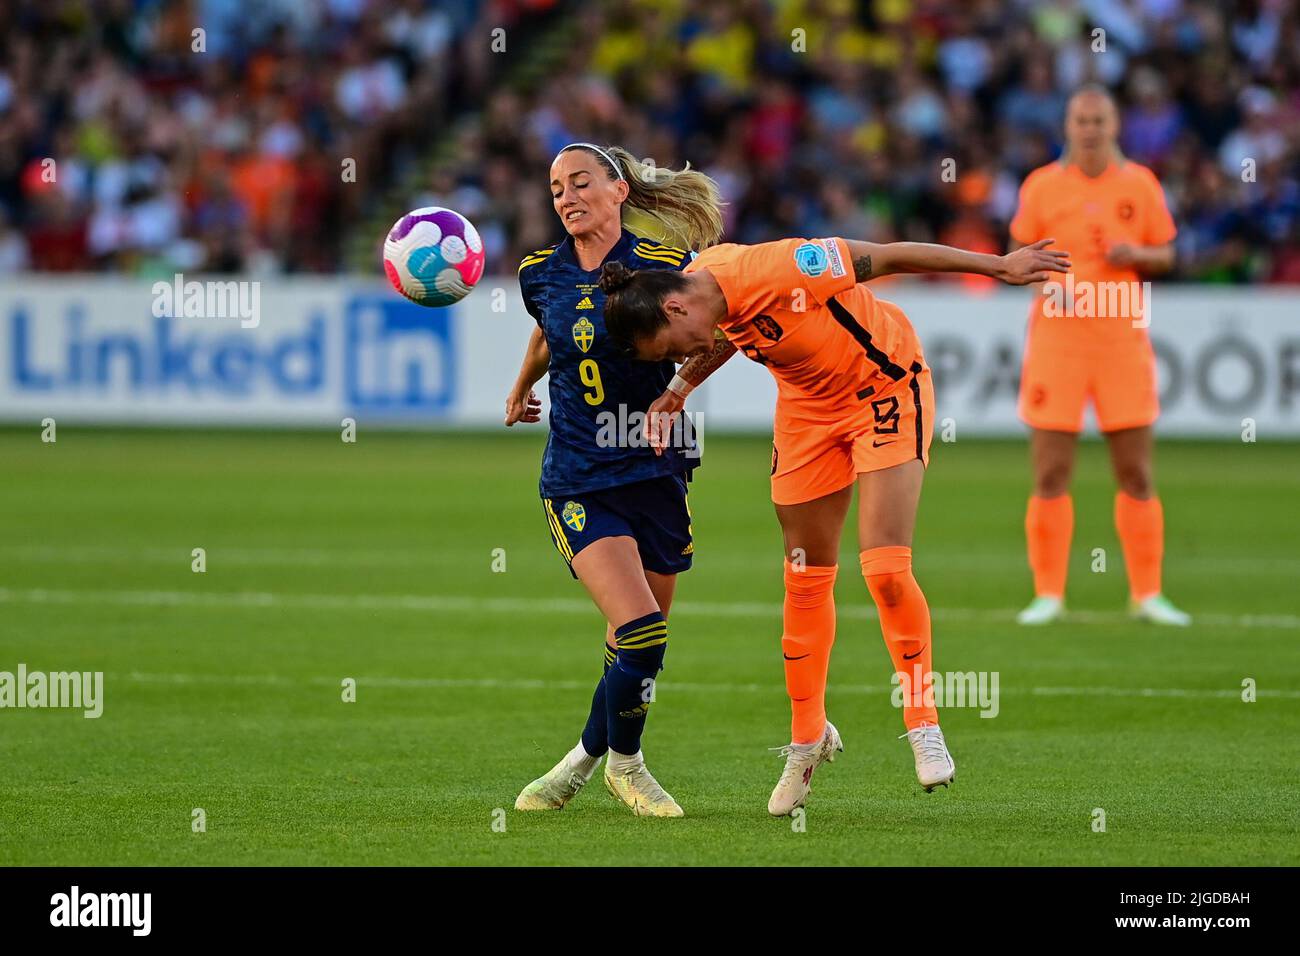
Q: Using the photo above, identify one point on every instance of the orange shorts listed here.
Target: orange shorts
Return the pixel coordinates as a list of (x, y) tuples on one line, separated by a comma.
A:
[(814, 454), (1059, 377)]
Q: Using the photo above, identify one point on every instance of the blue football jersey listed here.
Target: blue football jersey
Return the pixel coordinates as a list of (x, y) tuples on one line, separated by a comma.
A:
[(595, 390)]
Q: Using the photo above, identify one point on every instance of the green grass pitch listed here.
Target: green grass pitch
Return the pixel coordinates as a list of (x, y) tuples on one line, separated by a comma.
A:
[(373, 561)]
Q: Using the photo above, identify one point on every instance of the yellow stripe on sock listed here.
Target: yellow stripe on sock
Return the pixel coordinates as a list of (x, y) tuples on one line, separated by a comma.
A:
[(644, 628), (648, 639), (648, 642)]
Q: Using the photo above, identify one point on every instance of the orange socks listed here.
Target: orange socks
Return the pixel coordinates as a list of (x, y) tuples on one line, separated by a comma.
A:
[(905, 624), (1049, 525), (1141, 527), (809, 617)]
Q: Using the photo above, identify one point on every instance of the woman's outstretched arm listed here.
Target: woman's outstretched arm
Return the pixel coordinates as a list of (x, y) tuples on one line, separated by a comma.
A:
[(1031, 263)]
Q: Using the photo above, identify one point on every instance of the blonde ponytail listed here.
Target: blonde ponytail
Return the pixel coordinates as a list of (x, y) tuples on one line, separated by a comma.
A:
[(677, 206)]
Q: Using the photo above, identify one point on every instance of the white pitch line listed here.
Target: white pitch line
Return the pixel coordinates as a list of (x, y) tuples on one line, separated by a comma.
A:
[(1223, 694), (416, 557), (447, 603), (96, 554), (493, 683)]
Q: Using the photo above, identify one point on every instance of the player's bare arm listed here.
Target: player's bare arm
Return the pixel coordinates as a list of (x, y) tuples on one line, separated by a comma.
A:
[(696, 370), (1032, 263), (522, 404), (664, 410), (1150, 260)]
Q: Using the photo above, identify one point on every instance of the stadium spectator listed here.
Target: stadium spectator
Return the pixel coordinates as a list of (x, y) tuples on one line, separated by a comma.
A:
[(807, 112), (131, 143), (855, 131)]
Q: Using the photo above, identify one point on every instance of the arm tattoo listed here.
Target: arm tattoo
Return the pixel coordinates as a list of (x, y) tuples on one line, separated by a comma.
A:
[(701, 367), (862, 268)]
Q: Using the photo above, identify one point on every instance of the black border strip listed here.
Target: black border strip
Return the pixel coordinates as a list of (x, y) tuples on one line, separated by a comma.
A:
[(845, 318)]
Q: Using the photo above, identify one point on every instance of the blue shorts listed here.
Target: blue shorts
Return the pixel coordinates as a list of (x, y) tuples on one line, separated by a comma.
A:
[(654, 512)]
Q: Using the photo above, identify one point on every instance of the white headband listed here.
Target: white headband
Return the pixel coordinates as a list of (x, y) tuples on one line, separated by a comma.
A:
[(592, 146)]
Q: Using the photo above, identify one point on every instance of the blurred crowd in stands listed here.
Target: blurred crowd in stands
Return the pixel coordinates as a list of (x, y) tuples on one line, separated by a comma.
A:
[(815, 116), (145, 136)]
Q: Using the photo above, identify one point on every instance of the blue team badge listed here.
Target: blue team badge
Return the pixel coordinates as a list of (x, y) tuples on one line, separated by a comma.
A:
[(574, 515), (584, 333), (811, 259)]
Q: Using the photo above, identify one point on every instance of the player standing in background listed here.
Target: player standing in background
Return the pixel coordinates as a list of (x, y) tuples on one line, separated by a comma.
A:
[(855, 405), (1110, 212), (617, 514)]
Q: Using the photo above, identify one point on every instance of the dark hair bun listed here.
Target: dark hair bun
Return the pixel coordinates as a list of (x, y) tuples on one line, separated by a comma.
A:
[(614, 276)]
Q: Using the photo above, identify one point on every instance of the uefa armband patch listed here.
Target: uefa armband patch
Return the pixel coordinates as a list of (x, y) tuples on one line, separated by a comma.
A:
[(811, 259)]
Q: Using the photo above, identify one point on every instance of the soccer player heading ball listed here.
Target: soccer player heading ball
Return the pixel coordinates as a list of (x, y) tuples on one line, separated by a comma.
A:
[(855, 405)]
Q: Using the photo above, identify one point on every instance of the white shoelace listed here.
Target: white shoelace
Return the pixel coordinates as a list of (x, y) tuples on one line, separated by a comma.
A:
[(932, 745), (793, 768), (649, 785)]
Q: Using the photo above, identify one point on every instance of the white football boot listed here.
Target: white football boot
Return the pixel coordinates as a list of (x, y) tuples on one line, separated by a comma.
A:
[(557, 786), (934, 765), (801, 760), (1041, 610), (629, 782), (1159, 610)]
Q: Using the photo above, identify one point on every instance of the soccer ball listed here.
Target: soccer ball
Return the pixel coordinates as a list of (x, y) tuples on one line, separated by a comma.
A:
[(433, 256)]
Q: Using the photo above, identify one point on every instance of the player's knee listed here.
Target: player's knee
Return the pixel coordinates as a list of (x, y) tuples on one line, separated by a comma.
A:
[(642, 643), (812, 553), (1052, 480), (1135, 481), (888, 573), (809, 586), (887, 590)]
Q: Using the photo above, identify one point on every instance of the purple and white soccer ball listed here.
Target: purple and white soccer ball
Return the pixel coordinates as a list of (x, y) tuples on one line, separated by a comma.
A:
[(433, 256)]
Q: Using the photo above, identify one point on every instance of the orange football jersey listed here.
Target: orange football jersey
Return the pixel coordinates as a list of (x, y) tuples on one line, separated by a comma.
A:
[(1086, 215), (794, 306)]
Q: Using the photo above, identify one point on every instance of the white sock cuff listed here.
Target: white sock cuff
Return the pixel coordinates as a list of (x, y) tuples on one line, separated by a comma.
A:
[(622, 761)]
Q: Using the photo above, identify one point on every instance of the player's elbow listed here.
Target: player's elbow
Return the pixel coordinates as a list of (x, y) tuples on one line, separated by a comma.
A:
[(1158, 260), (870, 259)]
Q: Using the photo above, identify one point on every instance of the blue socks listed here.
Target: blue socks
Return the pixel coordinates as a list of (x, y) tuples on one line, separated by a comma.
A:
[(629, 681), (595, 736)]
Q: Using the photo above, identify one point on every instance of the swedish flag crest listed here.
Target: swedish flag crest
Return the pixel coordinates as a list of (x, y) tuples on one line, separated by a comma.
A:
[(574, 515), (584, 333)]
